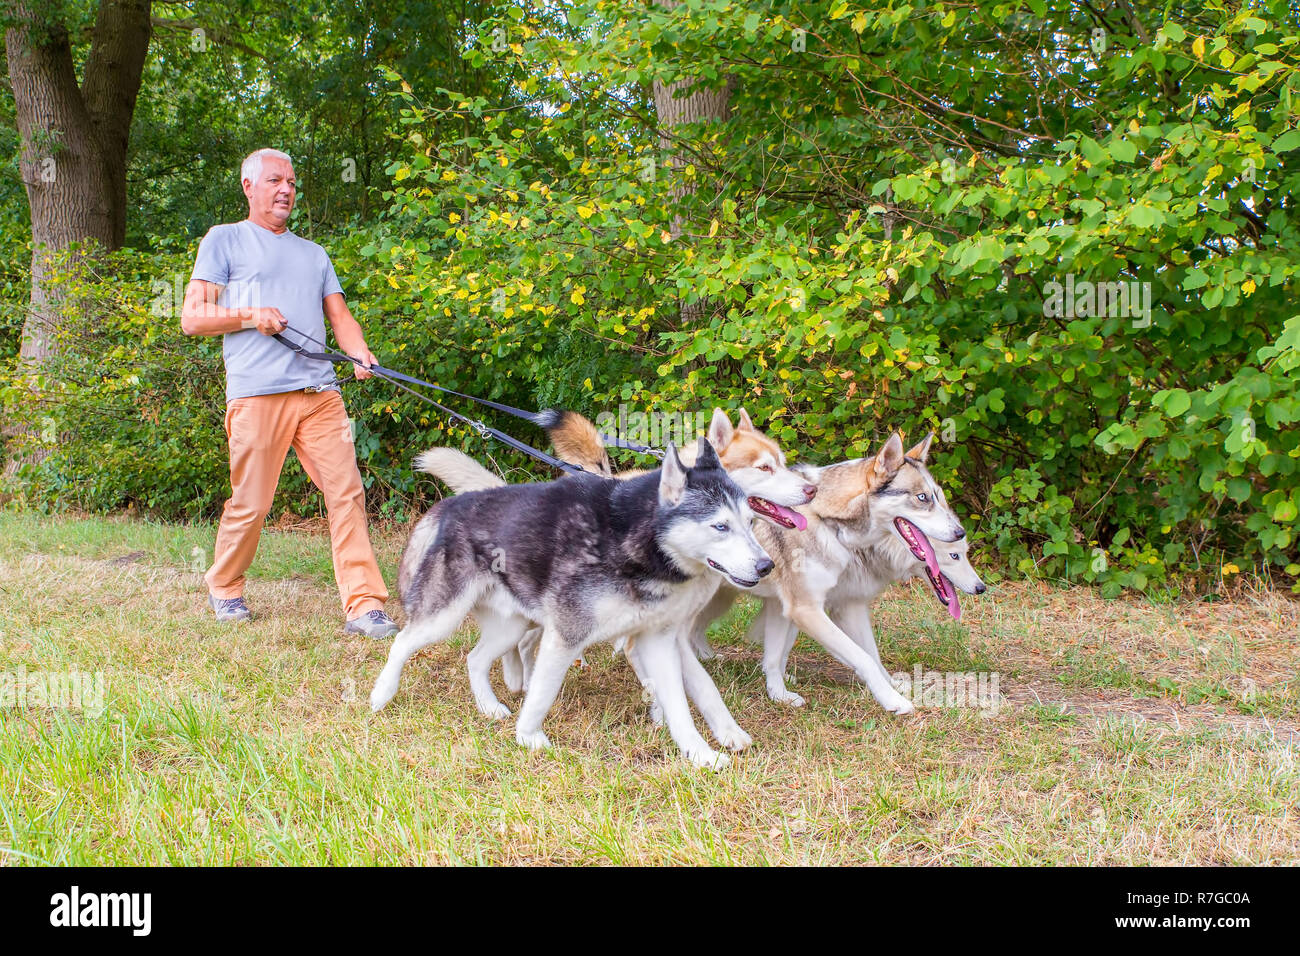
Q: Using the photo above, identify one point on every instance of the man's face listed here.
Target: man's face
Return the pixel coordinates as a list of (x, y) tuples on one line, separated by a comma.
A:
[(271, 198)]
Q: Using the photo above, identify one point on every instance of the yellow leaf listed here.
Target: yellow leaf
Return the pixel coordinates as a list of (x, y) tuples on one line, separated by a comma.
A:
[(665, 237), (860, 21), (393, 282), (585, 211), (713, 228), (1248, 286), (587, 383), (454, 218), (1198, 47)]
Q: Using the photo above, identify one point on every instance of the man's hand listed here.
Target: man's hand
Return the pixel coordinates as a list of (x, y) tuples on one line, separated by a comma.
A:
[(267, 321), (359, 371)]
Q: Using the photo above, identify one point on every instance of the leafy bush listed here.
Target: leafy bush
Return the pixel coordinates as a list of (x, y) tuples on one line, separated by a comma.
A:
[(893, 228)]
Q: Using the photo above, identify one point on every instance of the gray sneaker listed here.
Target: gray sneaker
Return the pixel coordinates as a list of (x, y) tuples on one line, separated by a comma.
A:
[(229, 609), (374, 624)]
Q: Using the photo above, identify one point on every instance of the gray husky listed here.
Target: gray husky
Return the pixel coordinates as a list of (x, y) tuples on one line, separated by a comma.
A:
[(589, 559)]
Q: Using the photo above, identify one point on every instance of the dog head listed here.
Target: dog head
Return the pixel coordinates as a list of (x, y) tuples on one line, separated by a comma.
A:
[(903, 488), (920, 520), (704, 519), (757, 465)]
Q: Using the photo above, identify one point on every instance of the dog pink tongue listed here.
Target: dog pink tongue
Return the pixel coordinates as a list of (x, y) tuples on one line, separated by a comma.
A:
[(954, 605), (794, 517), (927, 550)]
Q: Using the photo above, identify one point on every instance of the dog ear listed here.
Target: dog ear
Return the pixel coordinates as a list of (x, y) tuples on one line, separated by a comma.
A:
[(887, 462), (743, 422), (672, 479), (706, 456), (720, 430), (921, 450)]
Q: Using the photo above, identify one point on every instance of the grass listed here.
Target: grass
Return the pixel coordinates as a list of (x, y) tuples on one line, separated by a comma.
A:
[(1130, 733)]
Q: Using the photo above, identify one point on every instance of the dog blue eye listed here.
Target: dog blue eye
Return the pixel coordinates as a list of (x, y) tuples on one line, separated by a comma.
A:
[(923, 497), (722, 527), (953, 556)]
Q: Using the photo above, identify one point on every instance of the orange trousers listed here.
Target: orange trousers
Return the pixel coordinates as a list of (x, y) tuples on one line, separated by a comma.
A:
[(261, 430)]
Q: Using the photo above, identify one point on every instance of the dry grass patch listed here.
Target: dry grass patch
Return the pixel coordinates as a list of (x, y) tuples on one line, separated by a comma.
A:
[(253, 744)]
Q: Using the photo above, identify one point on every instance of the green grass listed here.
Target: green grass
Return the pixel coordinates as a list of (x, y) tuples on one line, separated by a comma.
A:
[(253, 744)]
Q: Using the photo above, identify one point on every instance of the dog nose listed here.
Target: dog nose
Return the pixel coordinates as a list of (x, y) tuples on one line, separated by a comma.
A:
[(981, 588), (764, 567), (961, 533), (810, 491)]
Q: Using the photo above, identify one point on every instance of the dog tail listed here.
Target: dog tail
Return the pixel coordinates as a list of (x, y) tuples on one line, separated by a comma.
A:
[(461, 472), (575, 438)]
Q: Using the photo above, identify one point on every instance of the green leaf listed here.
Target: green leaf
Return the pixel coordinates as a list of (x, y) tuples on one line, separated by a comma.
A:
[(1123, 150), (1287, 141)]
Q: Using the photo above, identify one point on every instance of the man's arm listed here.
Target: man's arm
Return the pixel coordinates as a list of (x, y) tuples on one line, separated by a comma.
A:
[(348, 334), (200, 315)]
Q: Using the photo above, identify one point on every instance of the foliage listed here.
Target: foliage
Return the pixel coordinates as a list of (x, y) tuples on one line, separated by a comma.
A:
[(903, 223)]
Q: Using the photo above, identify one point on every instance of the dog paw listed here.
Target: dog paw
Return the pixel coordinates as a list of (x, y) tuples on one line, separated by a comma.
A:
[(786, 697), (494, 711), (656, 714), (708, 759), (704, 650), (897, 704), (534, 741), (378, 698), (733, 738)]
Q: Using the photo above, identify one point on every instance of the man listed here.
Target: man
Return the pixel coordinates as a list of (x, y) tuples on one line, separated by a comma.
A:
[(253, 279)]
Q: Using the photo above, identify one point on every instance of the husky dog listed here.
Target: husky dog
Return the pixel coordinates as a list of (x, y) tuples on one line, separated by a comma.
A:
[(873, 520), (589, 559), (752, 460)]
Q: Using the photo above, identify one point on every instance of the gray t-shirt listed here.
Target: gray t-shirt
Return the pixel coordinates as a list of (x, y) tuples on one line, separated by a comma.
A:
[(259, 268)]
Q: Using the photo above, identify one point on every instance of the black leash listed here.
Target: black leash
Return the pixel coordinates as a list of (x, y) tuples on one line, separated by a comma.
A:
[(396, 378), (540, 419)]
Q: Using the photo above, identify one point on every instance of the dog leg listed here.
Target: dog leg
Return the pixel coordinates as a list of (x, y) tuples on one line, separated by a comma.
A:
[(663, 668), (854, 619), (633, 658), (498, 635), (512, 670), (704, 693), (528, 653), (812, 620), (778, 640), (554, 655), (430, 630), (718, 605)]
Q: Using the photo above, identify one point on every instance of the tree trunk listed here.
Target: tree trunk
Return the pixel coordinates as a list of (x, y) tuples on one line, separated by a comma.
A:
[(73, 139), (676, 108)]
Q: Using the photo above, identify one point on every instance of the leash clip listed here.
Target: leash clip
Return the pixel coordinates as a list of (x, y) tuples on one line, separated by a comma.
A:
[(480, 428)]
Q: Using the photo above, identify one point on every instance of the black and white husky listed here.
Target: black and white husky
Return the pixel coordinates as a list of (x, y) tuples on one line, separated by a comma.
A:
[(589, 559)]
